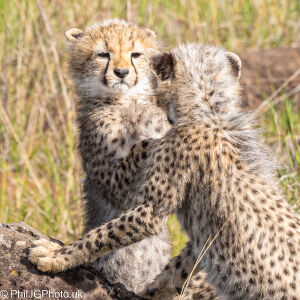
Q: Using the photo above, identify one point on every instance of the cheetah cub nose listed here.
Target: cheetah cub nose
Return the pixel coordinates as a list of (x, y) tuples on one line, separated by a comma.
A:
[(121, 73)]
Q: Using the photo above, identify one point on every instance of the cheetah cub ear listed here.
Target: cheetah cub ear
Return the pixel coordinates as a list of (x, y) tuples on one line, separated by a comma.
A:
[(73, 35), (161, 63), (235, 63)]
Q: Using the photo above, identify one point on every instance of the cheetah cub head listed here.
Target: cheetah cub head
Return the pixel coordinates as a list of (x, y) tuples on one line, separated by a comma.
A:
[(108, 57), (197, 81)]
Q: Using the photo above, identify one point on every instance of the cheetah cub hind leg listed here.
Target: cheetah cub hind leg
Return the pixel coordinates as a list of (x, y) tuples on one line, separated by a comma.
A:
[(199, 288)]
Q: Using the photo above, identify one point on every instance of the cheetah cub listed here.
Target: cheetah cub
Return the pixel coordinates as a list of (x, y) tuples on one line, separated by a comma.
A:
[(212, 170), (117, 109)]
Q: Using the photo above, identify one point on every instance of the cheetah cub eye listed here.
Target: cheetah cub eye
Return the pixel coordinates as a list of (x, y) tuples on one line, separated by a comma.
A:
[(103, 55), (135, 54)]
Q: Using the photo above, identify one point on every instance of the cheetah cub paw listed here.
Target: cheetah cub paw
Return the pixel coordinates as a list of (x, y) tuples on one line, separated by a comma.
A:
[(45, 255)]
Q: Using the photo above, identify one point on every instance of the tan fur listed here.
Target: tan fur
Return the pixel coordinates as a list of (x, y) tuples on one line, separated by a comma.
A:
[(213, 171), (120, 40), (113, 115)]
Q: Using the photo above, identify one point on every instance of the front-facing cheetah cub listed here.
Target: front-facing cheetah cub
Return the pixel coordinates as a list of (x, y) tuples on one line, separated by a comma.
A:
[(117, 109), (214, 173)]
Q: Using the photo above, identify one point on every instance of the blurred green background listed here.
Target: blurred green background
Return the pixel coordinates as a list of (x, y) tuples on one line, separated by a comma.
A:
[(40, 172)]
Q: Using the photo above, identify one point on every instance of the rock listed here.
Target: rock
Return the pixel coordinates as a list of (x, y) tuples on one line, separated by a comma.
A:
[(18, 275)]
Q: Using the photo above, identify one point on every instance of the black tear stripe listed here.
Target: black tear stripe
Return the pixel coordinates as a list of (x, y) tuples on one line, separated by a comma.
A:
[(105, 71), (164, 65), (136, 73), (107, 65)]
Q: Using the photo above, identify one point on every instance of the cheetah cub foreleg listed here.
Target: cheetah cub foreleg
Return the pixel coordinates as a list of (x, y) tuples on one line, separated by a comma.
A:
[(120, 232)]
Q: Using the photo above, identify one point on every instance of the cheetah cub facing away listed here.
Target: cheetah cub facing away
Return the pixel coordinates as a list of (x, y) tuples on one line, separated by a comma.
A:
[(212, 170), (117, 109)]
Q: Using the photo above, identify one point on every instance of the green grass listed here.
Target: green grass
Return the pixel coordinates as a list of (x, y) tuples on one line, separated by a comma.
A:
[(40, 172), (283, 128)]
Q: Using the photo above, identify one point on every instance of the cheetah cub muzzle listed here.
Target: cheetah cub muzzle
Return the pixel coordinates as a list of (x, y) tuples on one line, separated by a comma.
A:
[(213, 171)]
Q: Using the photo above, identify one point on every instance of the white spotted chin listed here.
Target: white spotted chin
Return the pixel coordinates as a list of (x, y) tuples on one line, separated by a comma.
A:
[(121, 86)]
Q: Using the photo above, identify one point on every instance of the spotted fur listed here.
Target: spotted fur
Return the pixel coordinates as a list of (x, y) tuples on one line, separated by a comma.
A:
[(211, 170), (114, 114)]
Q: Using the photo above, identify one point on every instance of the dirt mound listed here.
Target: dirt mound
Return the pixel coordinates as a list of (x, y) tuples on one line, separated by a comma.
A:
[(265, 71)]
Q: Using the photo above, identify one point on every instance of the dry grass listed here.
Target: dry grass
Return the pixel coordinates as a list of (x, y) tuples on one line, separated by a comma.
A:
[(40, 173)]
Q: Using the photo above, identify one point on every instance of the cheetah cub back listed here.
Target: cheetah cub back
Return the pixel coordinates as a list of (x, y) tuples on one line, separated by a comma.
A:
[(117, 109), (227, 179)]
